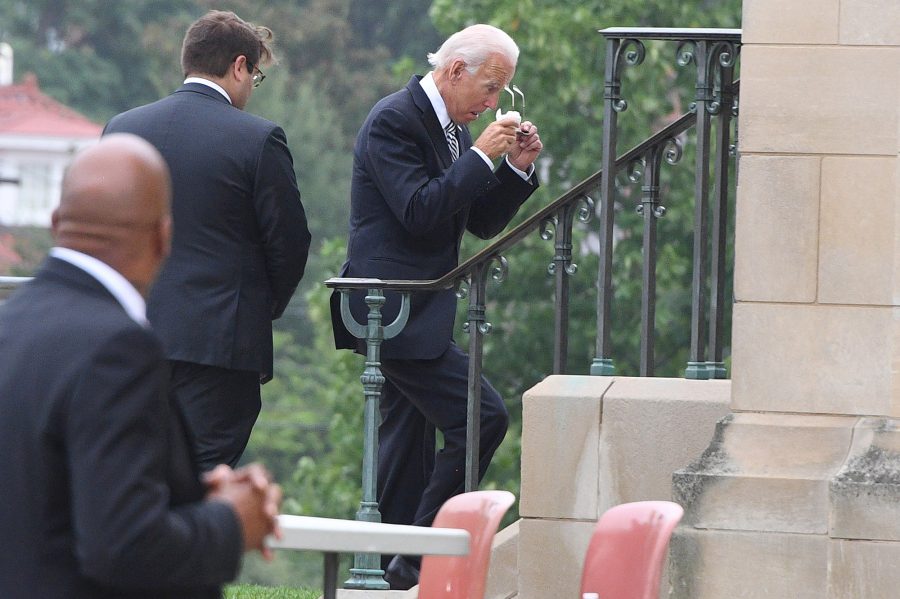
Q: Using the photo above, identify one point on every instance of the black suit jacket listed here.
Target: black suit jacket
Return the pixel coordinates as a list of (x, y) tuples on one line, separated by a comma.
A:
[(240, 239), (409, 208), (99, 495)]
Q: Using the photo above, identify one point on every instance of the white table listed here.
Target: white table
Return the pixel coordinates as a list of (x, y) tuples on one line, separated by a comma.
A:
[(333, 536)]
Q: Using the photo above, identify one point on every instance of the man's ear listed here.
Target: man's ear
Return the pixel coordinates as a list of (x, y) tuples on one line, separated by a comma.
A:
[(236, 65), (456, 68)]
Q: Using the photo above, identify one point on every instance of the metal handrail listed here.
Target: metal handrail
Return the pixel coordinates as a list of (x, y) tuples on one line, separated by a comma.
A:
[(520, 231)]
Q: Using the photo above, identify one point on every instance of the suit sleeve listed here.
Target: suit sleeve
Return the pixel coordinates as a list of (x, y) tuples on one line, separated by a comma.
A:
[(126, 534), (281, 219), (395, 156), (490, 213)]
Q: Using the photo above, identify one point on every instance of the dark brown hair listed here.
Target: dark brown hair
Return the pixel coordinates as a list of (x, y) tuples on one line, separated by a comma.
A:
[(213, 41)]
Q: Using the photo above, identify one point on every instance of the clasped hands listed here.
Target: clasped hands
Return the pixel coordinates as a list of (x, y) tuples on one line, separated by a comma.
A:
[(255, 498), (501, 137)]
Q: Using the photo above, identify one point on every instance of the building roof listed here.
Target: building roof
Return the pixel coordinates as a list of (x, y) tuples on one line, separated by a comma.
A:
[(25, 110)]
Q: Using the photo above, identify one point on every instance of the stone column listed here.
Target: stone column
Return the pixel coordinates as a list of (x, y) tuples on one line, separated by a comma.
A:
[(799, 493)]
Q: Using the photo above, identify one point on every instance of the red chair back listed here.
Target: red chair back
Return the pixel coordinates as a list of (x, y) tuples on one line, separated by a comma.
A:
[(628, 549), (464, 577)]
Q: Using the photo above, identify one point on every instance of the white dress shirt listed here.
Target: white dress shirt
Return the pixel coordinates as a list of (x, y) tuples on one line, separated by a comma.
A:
[(211, 84)]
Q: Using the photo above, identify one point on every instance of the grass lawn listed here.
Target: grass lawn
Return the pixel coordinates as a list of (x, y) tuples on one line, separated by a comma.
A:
[(252, 591)]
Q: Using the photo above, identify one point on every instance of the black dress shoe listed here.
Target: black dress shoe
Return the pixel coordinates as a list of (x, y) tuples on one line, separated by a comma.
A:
[(401, 574)]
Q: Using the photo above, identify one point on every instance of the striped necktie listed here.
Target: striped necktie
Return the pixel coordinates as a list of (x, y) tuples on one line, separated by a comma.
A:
[(452, 141)]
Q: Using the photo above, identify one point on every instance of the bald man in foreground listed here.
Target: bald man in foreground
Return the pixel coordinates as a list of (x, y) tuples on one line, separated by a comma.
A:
[(99, 494)]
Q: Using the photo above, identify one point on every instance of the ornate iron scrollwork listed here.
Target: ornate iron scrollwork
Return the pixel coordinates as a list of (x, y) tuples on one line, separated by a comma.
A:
[(585, 209), (712, 60), (560, 227), (477, 281), (461, 286), (548, 228), (685, 53), (500, 269), (631, 52), (722, 56)]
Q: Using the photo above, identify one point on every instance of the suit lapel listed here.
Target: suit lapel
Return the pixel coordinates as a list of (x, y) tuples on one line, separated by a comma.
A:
[(439, 141), (431, 122)]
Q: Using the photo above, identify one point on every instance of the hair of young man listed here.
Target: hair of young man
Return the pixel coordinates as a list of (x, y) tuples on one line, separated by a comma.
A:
[(473, 45), (213, 41)]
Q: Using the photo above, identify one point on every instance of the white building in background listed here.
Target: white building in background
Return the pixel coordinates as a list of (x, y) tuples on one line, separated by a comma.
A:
[(38, 137)]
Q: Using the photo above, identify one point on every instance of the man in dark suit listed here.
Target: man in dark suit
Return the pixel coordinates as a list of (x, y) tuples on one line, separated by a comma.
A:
[(418, 183), (100, 495), (240, 240)]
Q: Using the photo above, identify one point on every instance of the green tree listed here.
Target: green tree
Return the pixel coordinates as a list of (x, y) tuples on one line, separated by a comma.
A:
[(98, 57)]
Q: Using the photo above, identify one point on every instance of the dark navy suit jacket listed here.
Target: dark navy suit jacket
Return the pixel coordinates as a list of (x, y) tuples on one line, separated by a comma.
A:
[(409, 208), (240, 239), (100, 497)]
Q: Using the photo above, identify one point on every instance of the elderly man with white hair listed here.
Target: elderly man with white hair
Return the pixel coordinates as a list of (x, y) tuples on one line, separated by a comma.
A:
[(419, 182)]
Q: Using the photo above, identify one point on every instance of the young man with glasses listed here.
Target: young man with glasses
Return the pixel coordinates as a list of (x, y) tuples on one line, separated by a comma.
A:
[(240, 239)]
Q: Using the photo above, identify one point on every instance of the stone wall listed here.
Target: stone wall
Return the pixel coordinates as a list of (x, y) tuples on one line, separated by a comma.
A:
[(589, 443), (816, 257), (798, 495)]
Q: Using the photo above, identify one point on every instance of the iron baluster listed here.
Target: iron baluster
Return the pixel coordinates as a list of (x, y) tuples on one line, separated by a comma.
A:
[(651, 210), (619, 52), (716, 366), (477, 327), (366, 572), (561, 268), (696, 367)]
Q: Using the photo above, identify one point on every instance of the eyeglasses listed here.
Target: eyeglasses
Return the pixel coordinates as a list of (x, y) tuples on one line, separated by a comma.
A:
[(258, 76)]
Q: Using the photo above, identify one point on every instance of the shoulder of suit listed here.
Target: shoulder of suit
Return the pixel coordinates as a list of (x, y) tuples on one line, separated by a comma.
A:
[(212, 107), (253, 120), (400, 100), (235, 114)]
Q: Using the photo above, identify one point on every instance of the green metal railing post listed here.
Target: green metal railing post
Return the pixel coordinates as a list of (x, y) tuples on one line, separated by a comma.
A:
[(724, 109), (619, 52), (696, 366), (714, 60), (477, 327), (366, 572)]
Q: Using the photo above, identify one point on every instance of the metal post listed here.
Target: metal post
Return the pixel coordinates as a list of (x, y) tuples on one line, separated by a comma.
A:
[(366, 572), (602, 363), (561, 268), (650, 209), (716, 366), (476, 327), (617, 55), (696, 366)]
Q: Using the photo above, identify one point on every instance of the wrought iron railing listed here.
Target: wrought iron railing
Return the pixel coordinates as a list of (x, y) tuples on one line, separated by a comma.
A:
[(714, 52)]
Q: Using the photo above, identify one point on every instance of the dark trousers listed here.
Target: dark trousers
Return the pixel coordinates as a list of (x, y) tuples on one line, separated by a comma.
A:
[(418, 396), (220, 407)]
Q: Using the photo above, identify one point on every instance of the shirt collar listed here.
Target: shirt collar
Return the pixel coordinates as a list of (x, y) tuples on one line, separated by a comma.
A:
[(115, 283), (211, 84), (437, 102)]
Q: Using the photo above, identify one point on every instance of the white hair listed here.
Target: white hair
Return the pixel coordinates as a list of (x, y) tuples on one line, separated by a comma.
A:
[(473, 45)]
